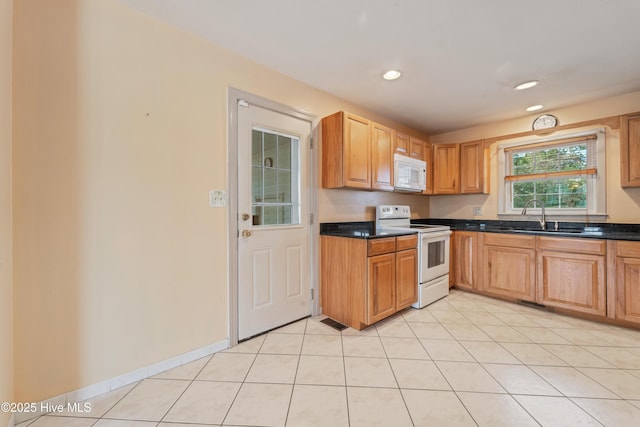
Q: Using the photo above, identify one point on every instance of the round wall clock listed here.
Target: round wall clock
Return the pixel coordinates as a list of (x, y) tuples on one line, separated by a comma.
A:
[(544, 121)]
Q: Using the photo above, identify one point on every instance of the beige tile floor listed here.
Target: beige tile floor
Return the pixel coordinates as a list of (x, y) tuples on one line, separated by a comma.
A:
[(465, 360)]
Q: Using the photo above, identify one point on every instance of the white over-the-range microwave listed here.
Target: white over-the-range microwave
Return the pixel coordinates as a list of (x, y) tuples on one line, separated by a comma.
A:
[(409, 174)]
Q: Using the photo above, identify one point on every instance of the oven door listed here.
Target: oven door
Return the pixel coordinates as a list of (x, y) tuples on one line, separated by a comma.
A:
[(434, 255)]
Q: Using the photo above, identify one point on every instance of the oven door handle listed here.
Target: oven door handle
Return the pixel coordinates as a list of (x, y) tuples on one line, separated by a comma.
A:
[(435, 235)]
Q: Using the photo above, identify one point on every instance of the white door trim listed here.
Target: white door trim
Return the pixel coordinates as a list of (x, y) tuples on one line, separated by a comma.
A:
[(234, 95)]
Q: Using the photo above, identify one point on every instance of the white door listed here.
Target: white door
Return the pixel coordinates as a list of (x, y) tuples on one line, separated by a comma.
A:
[(274, 283)]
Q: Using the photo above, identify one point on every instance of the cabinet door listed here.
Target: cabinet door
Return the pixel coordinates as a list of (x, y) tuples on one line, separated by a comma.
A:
[(630, 150), (628, 289), (416, 148), (406, 278), (357, 152), (446, 168), (402, 145), (381, 287), (382, 145), (472, 173), (466, 259), (452, 257), (509, 272), (572, 281), (428, 159)]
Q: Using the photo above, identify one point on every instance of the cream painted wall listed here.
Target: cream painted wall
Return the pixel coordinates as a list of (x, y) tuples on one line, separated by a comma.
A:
[(6, 281), (623, 205), (120, 132)]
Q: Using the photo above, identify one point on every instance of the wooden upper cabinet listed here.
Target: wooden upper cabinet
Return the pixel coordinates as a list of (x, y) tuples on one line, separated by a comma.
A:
[(446, 168), (428, 159), (357, 152), (403, 145), (346, 151), (630, 150), (382, 145), (473, 168), (416, 148)]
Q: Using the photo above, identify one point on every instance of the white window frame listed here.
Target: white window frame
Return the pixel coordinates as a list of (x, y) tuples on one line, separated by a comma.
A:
[(596, 184)]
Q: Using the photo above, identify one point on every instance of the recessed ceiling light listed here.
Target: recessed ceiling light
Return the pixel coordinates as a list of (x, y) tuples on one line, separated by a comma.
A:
[(535, 107), (391, 75), (527, 85)]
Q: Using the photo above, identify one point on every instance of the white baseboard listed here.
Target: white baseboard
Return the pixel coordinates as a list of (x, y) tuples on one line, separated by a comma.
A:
[(106, 386)]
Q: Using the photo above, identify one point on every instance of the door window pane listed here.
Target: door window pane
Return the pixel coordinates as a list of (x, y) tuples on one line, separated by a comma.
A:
[(275, 178)]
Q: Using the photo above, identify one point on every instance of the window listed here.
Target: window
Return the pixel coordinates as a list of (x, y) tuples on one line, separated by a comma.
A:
[(275, 177), (565, 173)]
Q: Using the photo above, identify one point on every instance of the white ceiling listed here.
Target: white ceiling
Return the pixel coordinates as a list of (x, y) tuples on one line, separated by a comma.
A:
[(460, 58)]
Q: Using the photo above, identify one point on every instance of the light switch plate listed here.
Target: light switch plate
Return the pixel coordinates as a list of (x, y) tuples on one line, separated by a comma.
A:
[(217, 198), (477, 211)]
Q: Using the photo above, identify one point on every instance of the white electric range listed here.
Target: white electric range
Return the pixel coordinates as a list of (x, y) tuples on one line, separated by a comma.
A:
[(433, 251)]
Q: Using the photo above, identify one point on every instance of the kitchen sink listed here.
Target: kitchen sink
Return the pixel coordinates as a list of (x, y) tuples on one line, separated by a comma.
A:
[(561, 232), (584, 231)]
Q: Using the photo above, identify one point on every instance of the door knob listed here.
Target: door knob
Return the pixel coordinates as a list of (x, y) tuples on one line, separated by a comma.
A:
[(246, 233), (245, 216)]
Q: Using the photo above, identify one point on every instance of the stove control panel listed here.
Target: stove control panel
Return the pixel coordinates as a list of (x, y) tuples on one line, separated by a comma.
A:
[(393, 211)]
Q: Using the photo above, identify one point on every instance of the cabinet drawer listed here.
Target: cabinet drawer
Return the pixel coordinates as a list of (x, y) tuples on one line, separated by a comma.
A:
[(381, 246), (628, 249), (406, 242), (581, 246), (510, 240)]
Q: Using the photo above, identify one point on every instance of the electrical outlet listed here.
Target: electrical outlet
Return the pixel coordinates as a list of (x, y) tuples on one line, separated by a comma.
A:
[(217, 198), (477, 211)]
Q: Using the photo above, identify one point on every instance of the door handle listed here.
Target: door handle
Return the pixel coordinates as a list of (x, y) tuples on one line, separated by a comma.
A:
[(245, 216), (246, 233)]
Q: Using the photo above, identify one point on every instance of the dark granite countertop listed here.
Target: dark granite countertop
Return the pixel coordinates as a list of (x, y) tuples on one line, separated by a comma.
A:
[(358, 230), (607, 231)]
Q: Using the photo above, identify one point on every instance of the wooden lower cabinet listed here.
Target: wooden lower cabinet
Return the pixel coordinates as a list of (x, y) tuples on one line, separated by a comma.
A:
[(628, 289), (467, 250), (571, 274), (509, 264), (406, 278), (626, 292), (364, 281), (381, 289), (572, 281)]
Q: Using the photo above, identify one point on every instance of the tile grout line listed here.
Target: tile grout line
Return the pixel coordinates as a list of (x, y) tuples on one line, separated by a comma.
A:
[(344, 371), (233, 401), (295, 375), (185, 390)]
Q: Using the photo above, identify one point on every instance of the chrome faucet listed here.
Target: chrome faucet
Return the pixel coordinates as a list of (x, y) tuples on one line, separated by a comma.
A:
[(542, 220)]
